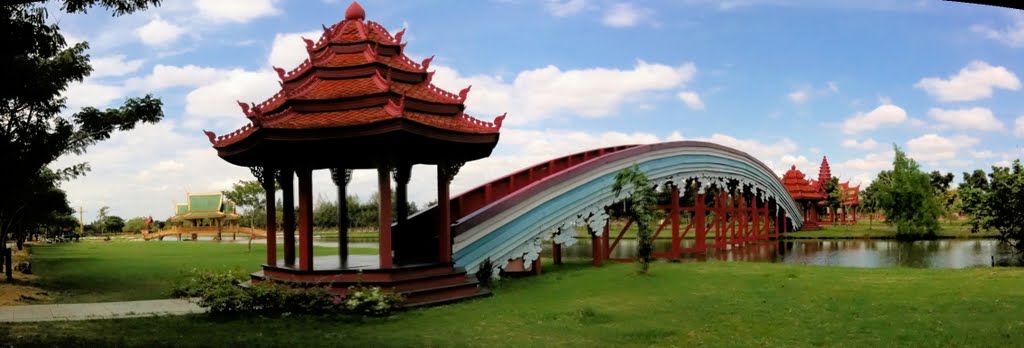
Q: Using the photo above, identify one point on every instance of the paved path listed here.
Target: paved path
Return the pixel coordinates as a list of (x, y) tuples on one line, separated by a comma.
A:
[(90, 311)]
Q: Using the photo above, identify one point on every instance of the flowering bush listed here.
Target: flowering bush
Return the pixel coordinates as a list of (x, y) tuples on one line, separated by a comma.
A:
[(371, 300), (223, 292)]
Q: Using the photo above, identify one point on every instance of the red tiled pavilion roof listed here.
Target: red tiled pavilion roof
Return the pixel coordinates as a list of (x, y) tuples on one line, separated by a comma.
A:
[(358, 75), (798, 186)]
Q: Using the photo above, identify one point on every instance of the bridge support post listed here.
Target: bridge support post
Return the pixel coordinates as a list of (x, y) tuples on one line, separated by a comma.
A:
[(556, 253), (384, 214), (676, 239), (286, 180), (699, 225), (606, 254), (596, 251), (305, 219)]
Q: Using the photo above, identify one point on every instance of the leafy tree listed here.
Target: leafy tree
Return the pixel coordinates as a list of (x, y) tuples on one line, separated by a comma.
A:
[(136, 224), (250, 196), (38, 67), (941, 182), (1000, 206), (641, 204), (977, 179), (909, 200), (835, 196)]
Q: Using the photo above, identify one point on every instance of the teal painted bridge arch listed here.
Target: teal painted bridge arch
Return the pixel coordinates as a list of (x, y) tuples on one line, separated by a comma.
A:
[(516, 225)]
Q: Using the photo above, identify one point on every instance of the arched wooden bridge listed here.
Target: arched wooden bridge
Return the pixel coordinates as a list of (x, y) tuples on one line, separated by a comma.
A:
[(508, 219), (192, 232)]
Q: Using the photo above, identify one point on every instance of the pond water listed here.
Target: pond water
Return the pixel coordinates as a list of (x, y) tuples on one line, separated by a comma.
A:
[(944, 253)]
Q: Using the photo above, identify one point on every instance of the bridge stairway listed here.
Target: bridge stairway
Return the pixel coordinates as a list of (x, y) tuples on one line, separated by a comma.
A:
[(421, 285)]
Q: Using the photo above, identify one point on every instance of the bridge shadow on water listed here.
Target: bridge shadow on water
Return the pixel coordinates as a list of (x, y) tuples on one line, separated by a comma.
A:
[(944, 253)]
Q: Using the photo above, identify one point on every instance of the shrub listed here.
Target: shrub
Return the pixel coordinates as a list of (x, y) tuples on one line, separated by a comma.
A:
[(224, 292), (371, 301), (485, 274)]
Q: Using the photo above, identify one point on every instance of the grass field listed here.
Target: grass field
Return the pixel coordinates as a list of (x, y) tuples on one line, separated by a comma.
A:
[(880, 230), (96, 271), (714, 304)]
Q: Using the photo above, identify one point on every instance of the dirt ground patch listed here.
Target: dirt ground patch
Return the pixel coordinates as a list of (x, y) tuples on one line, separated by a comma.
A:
[(21, 291)]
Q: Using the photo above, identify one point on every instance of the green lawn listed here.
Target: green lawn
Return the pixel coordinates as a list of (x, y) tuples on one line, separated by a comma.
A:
[(95, 271), (880, 230), (714, 304)]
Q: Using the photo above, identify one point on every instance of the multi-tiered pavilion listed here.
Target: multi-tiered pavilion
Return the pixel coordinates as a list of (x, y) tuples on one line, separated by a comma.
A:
[(358, 102)]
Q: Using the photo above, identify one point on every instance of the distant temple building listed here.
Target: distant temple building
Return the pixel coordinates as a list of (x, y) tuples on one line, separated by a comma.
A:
[(812, 195), (204, 213)]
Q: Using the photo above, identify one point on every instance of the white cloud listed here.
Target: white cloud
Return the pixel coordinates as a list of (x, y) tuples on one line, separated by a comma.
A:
[(932, 147), (975, 118), (867, 144), (833, 87), (115, 65), (545, 92), (565, 8), (803, 94), (167, 76), (983, 154), (159, 32), (239, 11), (624, 15), (974, 82), (288, 50), (798, 96), (216, 100), (881, 116), (1018, 126), (1012, 35), (691, 99), (89, 93)]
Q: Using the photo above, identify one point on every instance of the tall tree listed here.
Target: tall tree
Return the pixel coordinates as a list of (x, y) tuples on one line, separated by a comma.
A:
[(909, 200), (1000, 206), (641, 203), (250, 196), (38, 67)]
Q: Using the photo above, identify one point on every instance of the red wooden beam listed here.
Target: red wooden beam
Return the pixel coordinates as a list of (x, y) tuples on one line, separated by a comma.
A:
[(384, 214), (306, 219)]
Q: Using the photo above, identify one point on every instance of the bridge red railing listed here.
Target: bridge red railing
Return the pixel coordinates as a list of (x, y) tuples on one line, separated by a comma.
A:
[(482, 196), (488, 193)]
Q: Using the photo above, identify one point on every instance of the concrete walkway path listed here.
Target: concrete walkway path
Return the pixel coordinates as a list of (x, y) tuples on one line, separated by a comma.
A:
[(91, 311)]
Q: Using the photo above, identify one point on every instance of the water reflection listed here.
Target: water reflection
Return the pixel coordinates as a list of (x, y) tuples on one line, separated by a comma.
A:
[(948, 253)]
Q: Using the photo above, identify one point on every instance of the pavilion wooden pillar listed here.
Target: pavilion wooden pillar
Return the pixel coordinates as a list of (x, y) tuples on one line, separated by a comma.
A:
[(445, 173), (305, 219), (676, 239), (400, 235), (286, 179), (341, 178), (402, 174), (266, 177), (384, 214)]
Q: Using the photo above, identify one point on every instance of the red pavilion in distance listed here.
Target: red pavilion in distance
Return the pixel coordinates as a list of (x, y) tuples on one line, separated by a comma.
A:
[(358, 102), (806, 194), (813, 196)]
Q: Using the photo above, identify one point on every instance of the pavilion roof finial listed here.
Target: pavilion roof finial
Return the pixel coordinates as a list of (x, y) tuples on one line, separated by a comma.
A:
[(355, 12)]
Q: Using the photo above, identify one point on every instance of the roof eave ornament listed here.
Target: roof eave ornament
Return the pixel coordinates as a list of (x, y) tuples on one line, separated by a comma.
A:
[(499, 120), (309, 44), (464, 93), (398, 36), (211, 136), (280, 73), (395, 110), (426, 63)]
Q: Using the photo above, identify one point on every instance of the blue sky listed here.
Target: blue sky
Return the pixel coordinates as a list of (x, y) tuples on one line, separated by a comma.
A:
[(785, 80)]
